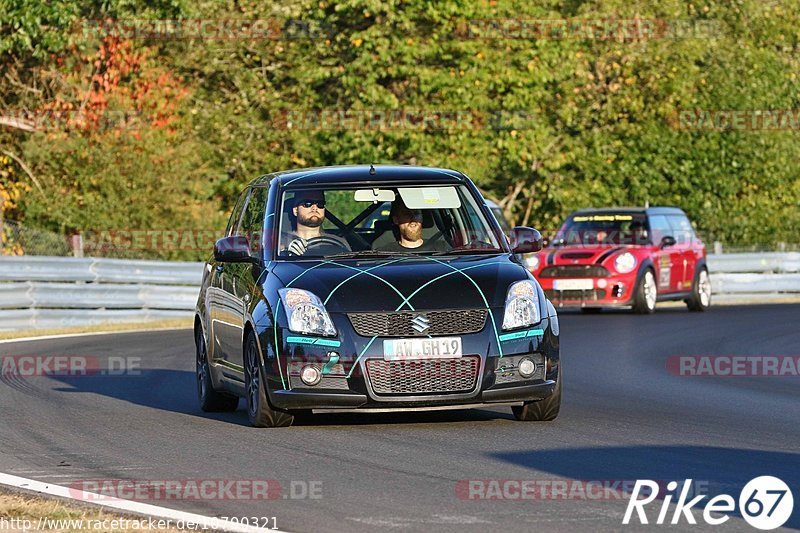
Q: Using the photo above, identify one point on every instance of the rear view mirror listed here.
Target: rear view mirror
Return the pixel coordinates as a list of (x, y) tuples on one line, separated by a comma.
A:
[(525, 240), (235, 249), (374, 195), (667, 241)]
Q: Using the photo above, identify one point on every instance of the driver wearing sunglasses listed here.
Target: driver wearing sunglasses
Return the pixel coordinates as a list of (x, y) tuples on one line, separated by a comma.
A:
[(309, 212)]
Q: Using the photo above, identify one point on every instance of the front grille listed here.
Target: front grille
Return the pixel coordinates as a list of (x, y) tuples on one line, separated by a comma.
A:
[(451, 322), (588, 295), (574, 271), (423, 376)]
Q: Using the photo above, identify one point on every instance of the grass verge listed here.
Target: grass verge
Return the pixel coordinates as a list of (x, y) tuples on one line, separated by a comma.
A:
[(23, 512)]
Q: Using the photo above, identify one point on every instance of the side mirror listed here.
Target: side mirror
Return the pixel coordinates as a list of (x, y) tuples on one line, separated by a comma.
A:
[(525, 240), (667, 241), (235, 249)]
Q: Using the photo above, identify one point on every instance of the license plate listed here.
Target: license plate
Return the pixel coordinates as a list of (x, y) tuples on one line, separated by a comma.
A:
[(573, 284), (436, 348)]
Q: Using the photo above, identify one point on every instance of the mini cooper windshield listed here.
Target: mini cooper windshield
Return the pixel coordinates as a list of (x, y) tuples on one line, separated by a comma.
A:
[(382, 221), (599, 228)]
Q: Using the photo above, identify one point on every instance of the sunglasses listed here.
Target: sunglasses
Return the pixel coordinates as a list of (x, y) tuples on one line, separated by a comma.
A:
[(308, 203)]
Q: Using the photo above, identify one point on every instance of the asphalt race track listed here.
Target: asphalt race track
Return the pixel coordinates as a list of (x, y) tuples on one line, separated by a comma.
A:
[(625, 417)]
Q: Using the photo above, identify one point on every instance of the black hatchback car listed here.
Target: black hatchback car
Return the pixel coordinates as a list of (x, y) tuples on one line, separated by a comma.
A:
[(372, 289)]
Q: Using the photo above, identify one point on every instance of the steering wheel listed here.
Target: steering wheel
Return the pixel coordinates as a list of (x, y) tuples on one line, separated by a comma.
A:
[(326, 241)]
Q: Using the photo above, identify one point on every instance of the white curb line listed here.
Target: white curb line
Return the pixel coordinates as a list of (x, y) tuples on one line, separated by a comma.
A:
[(127, 505)]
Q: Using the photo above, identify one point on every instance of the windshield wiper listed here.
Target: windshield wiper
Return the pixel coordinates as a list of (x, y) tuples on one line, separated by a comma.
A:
[(469, 251), (367, 253)]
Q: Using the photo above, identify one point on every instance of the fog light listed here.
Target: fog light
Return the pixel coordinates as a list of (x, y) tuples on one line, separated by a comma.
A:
[(310, 375), (526, 368)]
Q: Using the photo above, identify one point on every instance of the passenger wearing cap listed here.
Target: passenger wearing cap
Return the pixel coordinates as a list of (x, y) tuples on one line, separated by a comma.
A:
[(309, 213), (409, 231)]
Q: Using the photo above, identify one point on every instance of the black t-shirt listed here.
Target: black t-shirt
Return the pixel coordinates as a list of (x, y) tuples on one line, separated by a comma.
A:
[(427, 246)]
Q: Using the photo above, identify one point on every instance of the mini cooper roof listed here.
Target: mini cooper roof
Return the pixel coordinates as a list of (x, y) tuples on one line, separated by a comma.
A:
[(360, 174), (657, 210)]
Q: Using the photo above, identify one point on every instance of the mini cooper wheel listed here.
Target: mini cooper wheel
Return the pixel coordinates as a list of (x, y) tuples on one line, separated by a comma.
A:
[(541, 410), (701, 292), (646, 294), (260, 413), (210, 400)]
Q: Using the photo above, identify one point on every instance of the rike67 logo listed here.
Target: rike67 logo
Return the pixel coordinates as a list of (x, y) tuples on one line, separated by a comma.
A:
[(765, 503)]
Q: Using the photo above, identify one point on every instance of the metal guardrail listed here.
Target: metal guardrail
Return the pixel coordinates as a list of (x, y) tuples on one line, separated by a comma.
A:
[(38, 292), (56, 292)]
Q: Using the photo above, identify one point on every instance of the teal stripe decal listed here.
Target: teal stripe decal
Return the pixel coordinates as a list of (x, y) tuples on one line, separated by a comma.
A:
[(355, 363), (277, 353), (329, 365), (366, 271), (315, 341), (521, 335), (483, 297)]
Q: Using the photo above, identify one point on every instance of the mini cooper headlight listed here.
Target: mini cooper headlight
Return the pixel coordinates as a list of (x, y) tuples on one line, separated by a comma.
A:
[(306, 313), (522, 305), (625, 262), (531, 261)]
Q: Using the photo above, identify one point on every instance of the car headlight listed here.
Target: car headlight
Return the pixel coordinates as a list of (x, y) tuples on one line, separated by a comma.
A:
[(625, 262), (522, 305), (306, 313), (531, 261)]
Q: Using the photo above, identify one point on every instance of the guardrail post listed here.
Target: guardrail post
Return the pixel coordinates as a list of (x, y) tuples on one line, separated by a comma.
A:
[(717, 247), (77, 245)]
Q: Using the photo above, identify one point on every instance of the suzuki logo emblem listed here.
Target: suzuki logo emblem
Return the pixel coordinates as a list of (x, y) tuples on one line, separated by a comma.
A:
[(420, 323)]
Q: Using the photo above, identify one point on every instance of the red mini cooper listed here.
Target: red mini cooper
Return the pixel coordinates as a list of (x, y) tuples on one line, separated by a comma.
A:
[(624, 257)]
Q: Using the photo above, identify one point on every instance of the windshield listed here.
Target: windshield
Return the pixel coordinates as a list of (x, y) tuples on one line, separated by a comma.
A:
[(382, 221), (592, 229)]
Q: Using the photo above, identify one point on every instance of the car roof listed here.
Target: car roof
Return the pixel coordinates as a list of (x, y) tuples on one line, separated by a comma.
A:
[(360, 174), (655, 210)]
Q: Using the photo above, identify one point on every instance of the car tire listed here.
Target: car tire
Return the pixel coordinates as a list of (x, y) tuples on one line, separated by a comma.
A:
[(701, 292), (544, 410), (210, 399), (644, 302), (259, 411)]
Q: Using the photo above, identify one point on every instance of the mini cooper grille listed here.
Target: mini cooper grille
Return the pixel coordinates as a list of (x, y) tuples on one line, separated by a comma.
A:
[(424, 376), (451, 322), (588, 295), (574, 271)]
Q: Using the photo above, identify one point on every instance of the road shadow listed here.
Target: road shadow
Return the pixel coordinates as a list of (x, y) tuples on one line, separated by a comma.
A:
[(175, 391), (721, 470)]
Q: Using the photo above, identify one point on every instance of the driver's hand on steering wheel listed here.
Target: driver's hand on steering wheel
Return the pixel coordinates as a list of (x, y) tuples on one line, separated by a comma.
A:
[(298, 246)]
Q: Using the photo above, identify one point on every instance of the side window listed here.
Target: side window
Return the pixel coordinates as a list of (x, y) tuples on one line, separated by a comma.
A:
[(659, 228), (682, 229), (233, 222), (252, 224)]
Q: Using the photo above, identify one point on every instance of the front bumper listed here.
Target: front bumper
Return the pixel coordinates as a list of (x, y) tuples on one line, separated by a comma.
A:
[(294, 399), (613, 291), (351, 381)]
